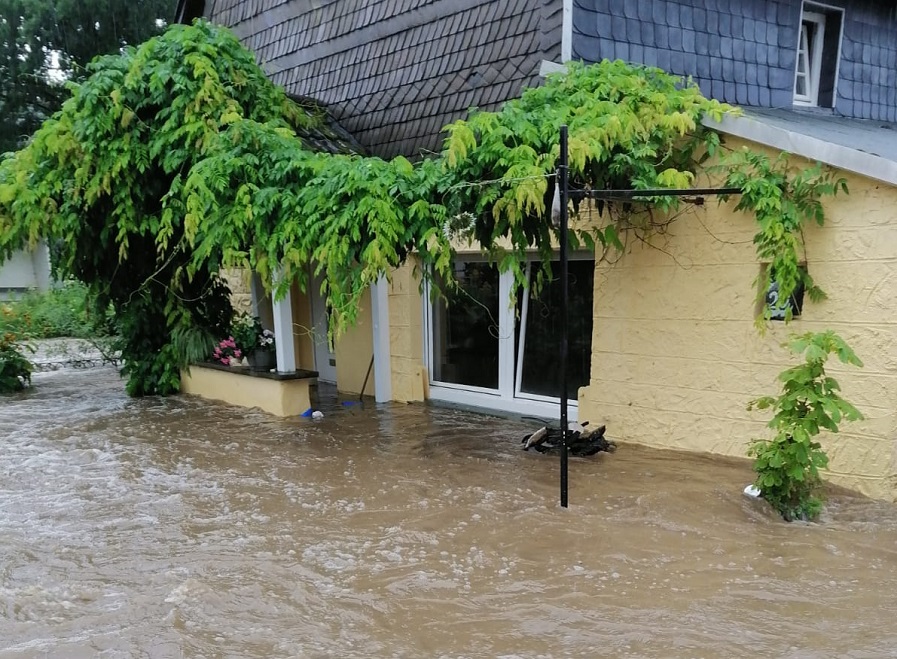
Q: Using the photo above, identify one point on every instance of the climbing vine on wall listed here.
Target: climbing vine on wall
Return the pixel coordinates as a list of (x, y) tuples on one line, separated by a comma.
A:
[(783, 201), (630, 128)]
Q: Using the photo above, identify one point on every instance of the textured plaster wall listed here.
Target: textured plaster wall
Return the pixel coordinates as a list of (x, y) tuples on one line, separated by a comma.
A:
[(676, 356), (278, 397), (354, 351), (302, 333), (409, 373)]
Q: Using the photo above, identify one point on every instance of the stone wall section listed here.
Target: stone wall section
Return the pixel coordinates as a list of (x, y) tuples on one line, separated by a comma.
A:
[(238, 280)]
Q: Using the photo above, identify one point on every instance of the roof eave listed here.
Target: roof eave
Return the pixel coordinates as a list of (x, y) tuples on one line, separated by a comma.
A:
[(836, 155)]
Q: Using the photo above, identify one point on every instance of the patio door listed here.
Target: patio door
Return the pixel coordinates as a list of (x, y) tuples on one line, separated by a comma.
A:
[(484, 351), (325, 359)]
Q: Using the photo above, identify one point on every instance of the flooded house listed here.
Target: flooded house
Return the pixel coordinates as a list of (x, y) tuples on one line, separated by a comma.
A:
[(663, 344)]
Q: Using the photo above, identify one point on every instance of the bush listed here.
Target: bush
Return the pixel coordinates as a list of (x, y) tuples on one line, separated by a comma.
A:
[(788, 465), (65, 311), (15, 369)]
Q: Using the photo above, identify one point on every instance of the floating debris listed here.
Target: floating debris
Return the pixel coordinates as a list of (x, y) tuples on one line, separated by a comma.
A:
[(753, 491), (581, 441)]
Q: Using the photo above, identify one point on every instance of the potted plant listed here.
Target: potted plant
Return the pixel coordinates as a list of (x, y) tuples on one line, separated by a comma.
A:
[(228, 352), (256, 342)]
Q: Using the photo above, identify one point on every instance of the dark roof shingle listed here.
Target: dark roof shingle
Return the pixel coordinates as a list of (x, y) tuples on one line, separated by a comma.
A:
[(393, 72)]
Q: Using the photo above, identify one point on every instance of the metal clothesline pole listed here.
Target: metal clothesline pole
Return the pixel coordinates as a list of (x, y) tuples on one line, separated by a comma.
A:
[(562, 183), (564, 195), (632, 195)]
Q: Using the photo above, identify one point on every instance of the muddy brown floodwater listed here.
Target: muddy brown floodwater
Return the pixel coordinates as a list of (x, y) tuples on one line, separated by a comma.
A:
[(180, 528)]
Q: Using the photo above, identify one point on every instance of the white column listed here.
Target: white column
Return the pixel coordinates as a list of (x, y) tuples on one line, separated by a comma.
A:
[(506, 322), (283, 333), (382, 367)]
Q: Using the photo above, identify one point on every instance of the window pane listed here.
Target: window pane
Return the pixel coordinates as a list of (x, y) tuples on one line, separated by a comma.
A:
[(541, 372), (465, 328)]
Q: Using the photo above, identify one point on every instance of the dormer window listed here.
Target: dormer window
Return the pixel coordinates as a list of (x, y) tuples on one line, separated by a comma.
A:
[(809, 58), (818, 53)]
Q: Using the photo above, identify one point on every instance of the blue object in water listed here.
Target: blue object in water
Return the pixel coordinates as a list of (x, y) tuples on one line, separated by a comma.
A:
[(307, 413)]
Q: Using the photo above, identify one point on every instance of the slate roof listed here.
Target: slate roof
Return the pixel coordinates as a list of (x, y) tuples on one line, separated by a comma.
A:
[(394, 72), (328, 135), (744, 52)]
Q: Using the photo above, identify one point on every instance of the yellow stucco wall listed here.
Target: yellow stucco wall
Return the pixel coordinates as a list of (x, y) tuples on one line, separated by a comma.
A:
[(409, 374), (676, 357), (354, 350), (278, 397), (302, 333)]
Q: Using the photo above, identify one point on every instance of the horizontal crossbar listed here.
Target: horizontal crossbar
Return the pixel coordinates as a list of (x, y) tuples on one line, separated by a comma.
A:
[(611, 195)]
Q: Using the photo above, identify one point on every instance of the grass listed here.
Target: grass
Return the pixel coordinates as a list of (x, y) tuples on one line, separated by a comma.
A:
[(64, 311)]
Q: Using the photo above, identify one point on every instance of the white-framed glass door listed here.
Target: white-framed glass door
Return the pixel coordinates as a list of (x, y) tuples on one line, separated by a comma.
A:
[(483, 351), (467, 330), (537, 367)]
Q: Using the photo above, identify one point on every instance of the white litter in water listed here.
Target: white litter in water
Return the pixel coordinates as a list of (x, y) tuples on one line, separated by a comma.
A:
[(317, 414), (752, 491)]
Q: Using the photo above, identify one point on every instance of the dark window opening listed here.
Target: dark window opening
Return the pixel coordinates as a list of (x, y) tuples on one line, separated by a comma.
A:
[(777, 307)]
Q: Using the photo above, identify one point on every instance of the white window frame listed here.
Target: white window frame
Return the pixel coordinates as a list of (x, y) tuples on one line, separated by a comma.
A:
[(507, 397), (812, 56)]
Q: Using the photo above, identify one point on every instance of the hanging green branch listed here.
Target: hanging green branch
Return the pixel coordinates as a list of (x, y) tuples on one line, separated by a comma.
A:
[(260, 202), (630, 128), (783, 202), (179, 157), (98, 178)]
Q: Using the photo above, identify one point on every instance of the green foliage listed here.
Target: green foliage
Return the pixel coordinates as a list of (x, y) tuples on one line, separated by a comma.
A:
[(74, 32), (66, 311), (179, 158), (262, 201), (788, 465), (99, 178), (249, 334), (629, 127), (15, 369), (783, 203), (192, 344)]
